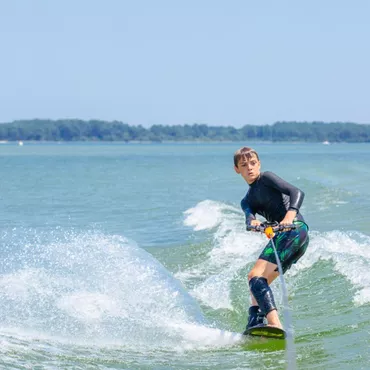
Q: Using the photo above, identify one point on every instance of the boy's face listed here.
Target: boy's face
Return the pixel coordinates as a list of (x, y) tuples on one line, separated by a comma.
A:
[(249, 167)]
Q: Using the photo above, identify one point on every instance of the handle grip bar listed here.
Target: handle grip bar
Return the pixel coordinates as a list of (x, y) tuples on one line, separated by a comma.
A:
[(276, 227)]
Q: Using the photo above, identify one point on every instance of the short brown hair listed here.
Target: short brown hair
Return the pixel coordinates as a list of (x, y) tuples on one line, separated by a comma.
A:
[(245, 153)]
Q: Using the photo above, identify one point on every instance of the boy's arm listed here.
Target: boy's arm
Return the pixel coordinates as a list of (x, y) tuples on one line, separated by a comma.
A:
[(296, 195), (250, 218)]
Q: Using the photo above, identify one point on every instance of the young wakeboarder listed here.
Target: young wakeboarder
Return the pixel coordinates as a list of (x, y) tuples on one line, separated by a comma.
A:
[(277, 201)]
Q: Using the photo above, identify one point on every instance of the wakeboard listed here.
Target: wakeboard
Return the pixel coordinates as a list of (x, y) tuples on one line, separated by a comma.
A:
[(266, 332)]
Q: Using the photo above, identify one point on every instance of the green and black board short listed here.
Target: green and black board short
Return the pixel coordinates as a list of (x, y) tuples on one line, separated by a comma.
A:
[(290, 246)]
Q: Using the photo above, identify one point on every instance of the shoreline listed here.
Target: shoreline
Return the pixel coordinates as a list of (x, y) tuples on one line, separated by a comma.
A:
[(144, 142)]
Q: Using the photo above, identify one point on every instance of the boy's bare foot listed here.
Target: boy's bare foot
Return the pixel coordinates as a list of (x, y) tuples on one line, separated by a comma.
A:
[(273, 319)]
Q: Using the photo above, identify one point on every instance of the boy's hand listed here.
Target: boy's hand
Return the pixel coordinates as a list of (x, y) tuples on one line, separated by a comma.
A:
[(289, 218), (255, 223)]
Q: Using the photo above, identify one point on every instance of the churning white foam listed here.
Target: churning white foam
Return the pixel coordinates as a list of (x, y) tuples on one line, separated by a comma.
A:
[(233, 249), (203, 337), (206, 215)]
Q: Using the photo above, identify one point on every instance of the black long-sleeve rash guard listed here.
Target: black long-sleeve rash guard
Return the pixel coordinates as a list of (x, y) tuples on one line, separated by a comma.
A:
[(271, 197)]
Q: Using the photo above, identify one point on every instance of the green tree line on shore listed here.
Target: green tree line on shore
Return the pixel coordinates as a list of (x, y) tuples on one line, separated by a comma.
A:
[(96, 130)]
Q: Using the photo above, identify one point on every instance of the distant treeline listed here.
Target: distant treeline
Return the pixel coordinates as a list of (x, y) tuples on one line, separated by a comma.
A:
[(94, 130)]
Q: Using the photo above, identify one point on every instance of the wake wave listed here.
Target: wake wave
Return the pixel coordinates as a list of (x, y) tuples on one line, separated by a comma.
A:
[(350, 254), (234, 248)]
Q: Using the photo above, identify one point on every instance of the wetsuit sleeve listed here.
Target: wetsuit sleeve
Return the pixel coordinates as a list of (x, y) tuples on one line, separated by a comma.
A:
[(296, 195), (249, 213)]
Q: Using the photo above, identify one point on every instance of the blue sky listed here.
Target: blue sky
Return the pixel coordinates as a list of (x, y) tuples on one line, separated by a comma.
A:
[(216, 62)]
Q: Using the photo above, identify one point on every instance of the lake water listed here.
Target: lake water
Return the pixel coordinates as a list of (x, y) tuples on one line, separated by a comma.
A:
[(135, 256)]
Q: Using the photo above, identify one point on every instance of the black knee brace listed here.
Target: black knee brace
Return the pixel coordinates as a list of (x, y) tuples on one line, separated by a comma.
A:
[(263, 294)]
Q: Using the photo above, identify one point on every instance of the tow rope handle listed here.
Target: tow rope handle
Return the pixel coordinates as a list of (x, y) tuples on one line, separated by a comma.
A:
[(271, 228)]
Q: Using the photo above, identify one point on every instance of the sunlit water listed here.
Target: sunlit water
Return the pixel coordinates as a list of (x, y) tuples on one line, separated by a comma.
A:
[(136, 257)]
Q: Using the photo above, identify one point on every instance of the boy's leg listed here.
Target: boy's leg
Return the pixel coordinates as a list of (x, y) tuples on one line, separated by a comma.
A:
[(290, 248), (260, 277), (272, 318)]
